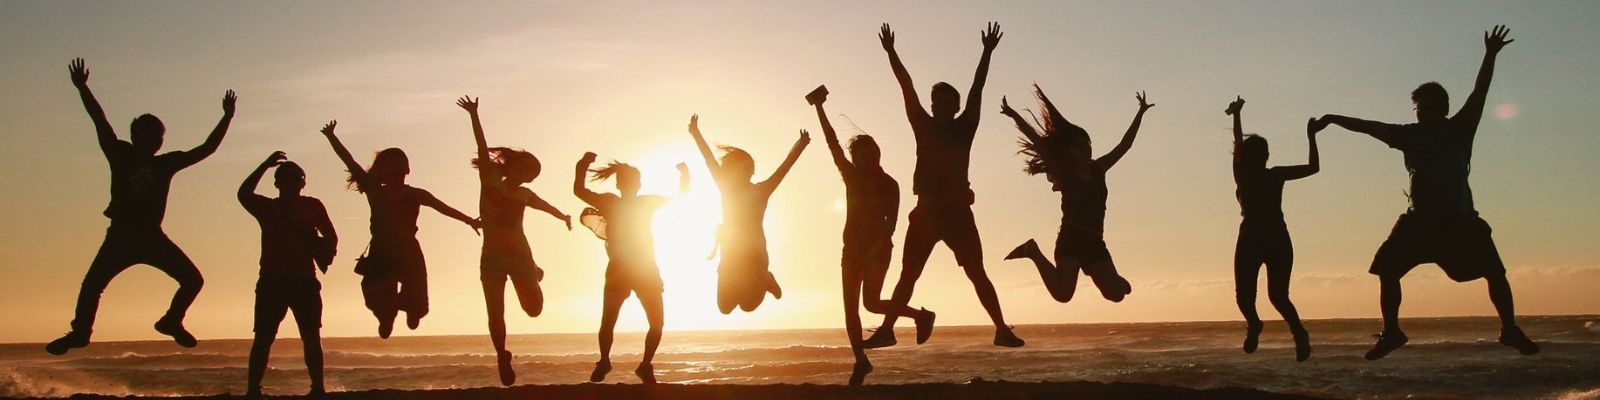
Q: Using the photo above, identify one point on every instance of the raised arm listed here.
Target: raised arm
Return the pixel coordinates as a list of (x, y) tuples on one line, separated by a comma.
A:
[(834, 148), (705, 149), (579, 179), (1493, 42), (102, 128), (1234, 108), (471, 105), (1378, 130), (1022, 123), (683, 178), (794, 155), (991, 38), (908, 91), (427, 199), (344, 154), (535, 202), (1116, 153), (214, 140), (1313, 163), (247, 189)]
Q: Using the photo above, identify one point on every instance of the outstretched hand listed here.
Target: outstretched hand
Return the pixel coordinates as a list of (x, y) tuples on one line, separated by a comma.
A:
[(228, 101), (805, 139), (568, 220), (1005, 107), (694, 124), (1315, 125), (78, 71), (683, 168), (1144, 103), (1495, 40), (588, 158), (327, 129), (886, 37), (477, 225), (991, 37), (468, 103), (1235, 106)]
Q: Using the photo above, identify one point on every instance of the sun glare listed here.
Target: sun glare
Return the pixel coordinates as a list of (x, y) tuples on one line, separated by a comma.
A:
[(685, 232)]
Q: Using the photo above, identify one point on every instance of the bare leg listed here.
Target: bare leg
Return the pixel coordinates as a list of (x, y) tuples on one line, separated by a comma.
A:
[(1246, 270), (653, 311), (611, 305)]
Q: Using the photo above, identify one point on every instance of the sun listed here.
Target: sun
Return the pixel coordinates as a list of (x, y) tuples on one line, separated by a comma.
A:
[(685, 235)]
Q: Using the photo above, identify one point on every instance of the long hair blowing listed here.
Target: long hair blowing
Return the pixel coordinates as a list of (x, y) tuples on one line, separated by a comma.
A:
[(611, 169), (1055, 135)]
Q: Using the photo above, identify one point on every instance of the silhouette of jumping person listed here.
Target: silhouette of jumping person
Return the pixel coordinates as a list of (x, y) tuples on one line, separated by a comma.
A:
[(1263, 235), (140, 182), (1063, 154), (872, 207), (394, 275), (1440, 226), (297, 239), (743, 280), (506, 255), (625, 226), (944, 195)]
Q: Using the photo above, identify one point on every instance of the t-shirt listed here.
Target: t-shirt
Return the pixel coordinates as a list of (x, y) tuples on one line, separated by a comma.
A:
[(944, 151), (502, 212), (1083, 202), (628, 228), (394, 210), (744, 207), (1260, 193), (871, 199), (140, 184), (1438, 157), (288, 233)]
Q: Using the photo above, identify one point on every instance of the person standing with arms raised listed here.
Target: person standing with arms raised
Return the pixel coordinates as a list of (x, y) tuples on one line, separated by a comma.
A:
[(944, 194), (1441, 226), (140, 182)]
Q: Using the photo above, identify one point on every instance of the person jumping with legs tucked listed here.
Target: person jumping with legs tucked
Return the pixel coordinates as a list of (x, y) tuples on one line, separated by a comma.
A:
[(394, 275), (1441, 226), (944, 194), (743, 279), (626, 227), (1263, 235), (506, 254), (1063, 154), (297, 239), (872, 207), (140, 182)]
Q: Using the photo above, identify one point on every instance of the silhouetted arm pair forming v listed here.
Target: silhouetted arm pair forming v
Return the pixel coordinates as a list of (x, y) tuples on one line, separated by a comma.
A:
[(1110, 158)]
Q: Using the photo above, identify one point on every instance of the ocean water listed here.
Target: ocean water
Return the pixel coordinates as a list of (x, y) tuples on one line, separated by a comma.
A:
[(1447, 358)]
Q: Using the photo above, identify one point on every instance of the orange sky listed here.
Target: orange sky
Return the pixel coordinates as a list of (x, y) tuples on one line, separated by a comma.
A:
[(621, 80)]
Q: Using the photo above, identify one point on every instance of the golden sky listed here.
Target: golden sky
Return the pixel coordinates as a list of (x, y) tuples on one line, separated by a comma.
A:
[(621, 79)]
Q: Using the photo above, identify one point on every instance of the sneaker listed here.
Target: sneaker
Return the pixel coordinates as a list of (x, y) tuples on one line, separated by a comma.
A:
[(1006, 338), (925, 326), (508, 375), (646, 374), (880, 339), (1302, 346), (175, 330), (316, 392), (253, 394), (1514, 337), (385, 327), (601, 368), (1387, 342), (859, 374), (72, 340), (1252, 336), (1024, 250)]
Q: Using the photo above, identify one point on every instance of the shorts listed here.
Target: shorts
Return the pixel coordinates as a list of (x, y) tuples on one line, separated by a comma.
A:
[(496, 266), (952, 224), (1082, 244), (624, 278), (277, 296), (1460, 244), (871, 257)]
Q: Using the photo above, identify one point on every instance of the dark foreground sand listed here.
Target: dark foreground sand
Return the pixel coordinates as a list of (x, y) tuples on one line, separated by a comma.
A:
[(983, 390)]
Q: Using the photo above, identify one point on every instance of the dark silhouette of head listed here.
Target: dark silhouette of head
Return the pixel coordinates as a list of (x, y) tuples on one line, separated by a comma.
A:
[(737, 163), (518, 166), (1253, 151), (147, 132), (946, 101), (864, 153), (627, 177), (289, 178), (389, 167), (1059, 141), (1432, 102)]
